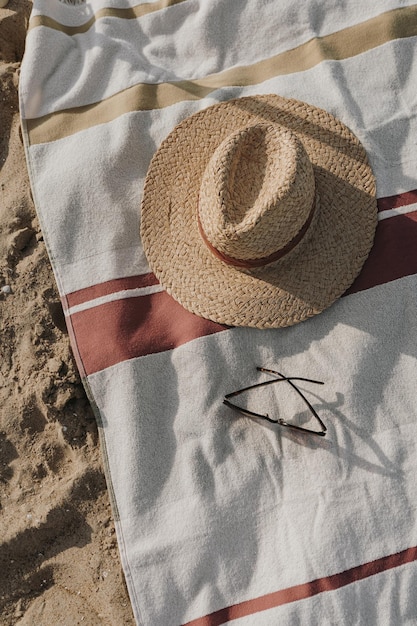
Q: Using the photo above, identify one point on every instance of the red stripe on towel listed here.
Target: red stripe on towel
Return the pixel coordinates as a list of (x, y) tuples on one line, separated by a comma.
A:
[(145, 280), (137, 326), (393, 255), (133, 327), (399, 200), (111, 286), (306, 590)]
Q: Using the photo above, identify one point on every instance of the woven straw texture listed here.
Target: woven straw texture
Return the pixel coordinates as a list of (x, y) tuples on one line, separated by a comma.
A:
[(304, 282), (257, 192)]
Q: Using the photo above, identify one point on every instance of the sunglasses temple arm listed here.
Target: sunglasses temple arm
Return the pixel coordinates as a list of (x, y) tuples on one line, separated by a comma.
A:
[(319, 433), (279, 422), (266, 382), (310, 406), (246, 411), (282, 377)]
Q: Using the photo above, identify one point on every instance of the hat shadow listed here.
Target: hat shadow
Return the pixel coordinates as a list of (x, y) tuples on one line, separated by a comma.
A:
[(298, 123)]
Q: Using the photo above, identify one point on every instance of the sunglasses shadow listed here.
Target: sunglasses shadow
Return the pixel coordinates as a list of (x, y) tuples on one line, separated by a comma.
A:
[(340, 443)]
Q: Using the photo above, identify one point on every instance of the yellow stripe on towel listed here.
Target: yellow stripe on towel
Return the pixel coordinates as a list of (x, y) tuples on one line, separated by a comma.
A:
[(343, 44), (130, 13)]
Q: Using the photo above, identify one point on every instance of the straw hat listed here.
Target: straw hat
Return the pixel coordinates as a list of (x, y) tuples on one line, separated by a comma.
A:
[(259, 211)]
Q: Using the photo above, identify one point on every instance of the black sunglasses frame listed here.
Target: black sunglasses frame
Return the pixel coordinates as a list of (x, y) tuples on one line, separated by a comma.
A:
[(280, 378)]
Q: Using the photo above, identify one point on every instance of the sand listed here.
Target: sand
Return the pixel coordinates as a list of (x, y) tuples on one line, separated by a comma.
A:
[(59, 561)]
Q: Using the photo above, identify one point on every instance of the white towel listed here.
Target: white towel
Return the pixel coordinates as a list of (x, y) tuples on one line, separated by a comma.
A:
[(219, 517)]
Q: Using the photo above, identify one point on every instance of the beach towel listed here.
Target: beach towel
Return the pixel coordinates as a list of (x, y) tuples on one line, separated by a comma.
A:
[(221, 517)]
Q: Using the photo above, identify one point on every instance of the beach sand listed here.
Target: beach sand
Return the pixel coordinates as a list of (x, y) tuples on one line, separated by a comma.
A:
[(59, 561)]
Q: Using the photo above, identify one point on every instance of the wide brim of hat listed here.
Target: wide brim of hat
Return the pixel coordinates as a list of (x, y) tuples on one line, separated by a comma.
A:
[(294, 288)]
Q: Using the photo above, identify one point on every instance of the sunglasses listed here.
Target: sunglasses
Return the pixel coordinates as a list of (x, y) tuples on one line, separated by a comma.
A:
[(279, 378)]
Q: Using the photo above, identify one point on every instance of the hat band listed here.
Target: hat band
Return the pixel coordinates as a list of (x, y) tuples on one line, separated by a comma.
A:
[(260, 261)]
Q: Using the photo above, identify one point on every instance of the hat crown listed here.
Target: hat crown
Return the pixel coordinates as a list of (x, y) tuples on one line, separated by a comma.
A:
[(257, 194)]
